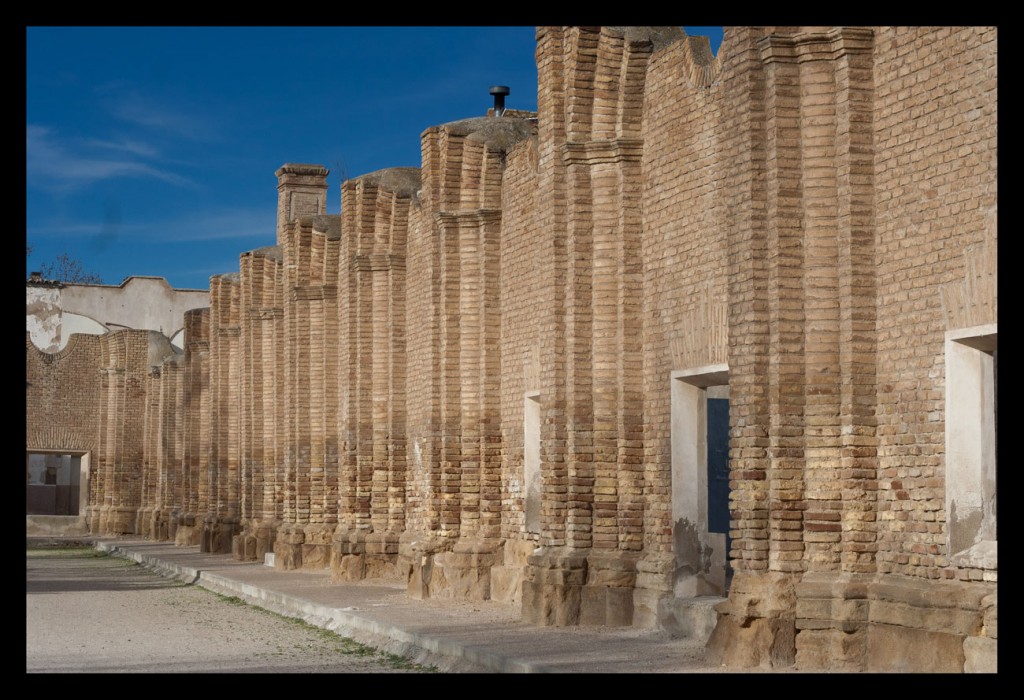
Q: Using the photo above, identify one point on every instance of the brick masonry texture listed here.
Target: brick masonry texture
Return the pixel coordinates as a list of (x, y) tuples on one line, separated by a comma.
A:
[(812, 209)]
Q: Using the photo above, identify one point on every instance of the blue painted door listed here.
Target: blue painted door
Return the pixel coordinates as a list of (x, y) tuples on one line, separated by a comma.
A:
[(718, 471)]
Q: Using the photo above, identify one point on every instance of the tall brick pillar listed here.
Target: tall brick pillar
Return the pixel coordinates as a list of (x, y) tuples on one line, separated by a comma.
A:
[(221, 519), (190, 493), (261, 348), (127, 357), (372, 372), (309, 458), (814, 509), (456, 466), (310, 249), (591, 103)]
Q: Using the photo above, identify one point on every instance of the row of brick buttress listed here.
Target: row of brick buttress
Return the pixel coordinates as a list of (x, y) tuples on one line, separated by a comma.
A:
[(372, 373), (593, 500), (803, 501)]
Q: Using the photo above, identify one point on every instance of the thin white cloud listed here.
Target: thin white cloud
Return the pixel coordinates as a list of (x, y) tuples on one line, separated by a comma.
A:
[(147, 112), (55, 164), (217, 225), (256, 224), (135, 147)]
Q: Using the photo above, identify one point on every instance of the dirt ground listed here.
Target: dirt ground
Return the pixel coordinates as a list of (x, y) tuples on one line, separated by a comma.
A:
[(87, 612)]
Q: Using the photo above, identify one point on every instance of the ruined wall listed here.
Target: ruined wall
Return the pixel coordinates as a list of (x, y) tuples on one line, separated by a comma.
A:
[(935, 160), (936, 155), (61, 395), (485, 377)]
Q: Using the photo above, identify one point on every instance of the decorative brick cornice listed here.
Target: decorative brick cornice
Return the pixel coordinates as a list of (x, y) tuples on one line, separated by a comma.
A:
[(266, 313), (593, 152), (474, 216), (313, 292), (377, 262), (816, 46)]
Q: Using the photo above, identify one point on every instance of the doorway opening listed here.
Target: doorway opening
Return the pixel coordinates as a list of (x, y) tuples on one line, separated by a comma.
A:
[(56, 483), (700, 480)]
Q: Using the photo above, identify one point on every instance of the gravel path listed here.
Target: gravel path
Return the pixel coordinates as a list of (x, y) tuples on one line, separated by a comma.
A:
[(87, 612)]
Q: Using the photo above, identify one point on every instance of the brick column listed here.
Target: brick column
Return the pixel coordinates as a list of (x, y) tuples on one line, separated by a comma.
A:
[(372, 372), (593, 501)]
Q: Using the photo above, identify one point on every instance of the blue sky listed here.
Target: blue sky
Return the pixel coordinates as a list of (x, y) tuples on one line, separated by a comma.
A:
[(152, 151)]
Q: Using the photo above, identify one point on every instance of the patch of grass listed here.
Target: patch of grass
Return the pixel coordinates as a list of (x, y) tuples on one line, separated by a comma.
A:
[(82, 552)]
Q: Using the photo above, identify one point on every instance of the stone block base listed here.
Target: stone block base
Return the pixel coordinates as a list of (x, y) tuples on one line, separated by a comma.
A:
[(357, 555), (416, 553), (316, 547), (857, 623), (981, 655), (116, 520), (756, 624), (462, 572), (892, 649), (144, 522), (255, 540), (162, 529), (507, 577), (579, 587), (653, 591), (216, 535), (288, 547), (187, 530)]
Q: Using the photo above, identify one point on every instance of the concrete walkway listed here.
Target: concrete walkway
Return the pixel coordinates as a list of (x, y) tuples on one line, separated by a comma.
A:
[(454, 636)]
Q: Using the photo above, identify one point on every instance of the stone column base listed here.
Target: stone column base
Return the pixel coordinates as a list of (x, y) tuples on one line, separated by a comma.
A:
[(216, 534), (161, 524), (187, 530), (358, 554), (92, 519), (756, 624), (565, 587), (442, 568), (254, 541), (117, 520), (316, 546), (416, 551), (144, 522), (508, 575), (288, 547), (889, 623)]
